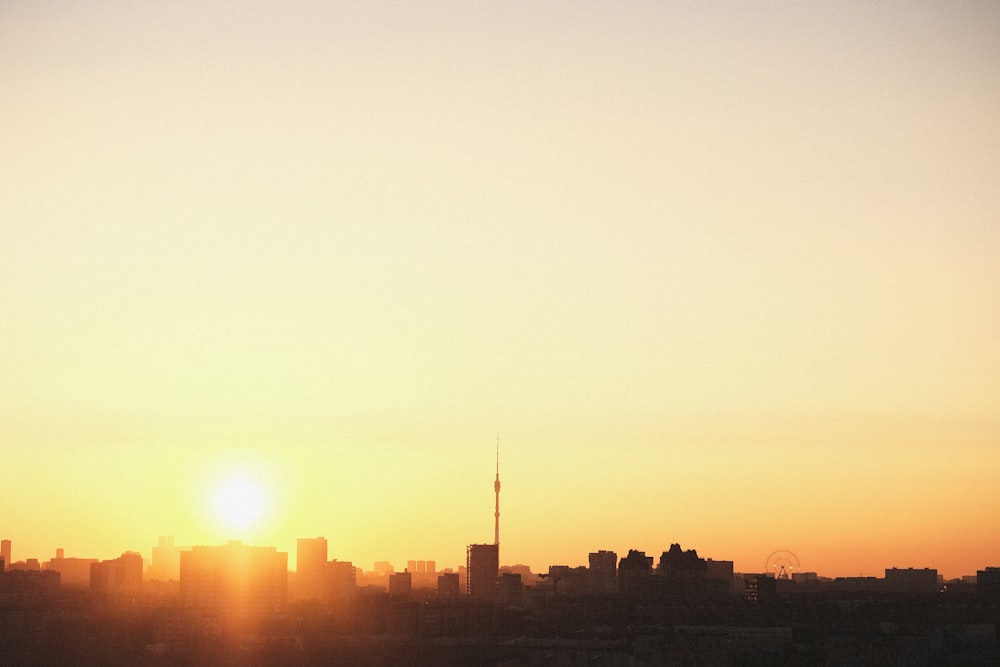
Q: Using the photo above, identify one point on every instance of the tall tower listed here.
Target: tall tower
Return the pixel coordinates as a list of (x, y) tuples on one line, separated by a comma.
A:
[(496, 489)]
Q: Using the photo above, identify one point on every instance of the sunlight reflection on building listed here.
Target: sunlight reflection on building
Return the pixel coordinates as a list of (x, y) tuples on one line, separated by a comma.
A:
[(235, 578)]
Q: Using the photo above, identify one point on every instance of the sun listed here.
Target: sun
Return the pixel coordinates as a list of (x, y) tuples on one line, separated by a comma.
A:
[(239, 502)]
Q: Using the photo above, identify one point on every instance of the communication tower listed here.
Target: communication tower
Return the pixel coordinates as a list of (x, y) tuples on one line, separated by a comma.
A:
[(496, 490)]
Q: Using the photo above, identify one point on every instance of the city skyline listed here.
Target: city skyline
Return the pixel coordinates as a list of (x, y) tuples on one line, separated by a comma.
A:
[(786, 562), (219, 601), (309, 564), (719, 275)]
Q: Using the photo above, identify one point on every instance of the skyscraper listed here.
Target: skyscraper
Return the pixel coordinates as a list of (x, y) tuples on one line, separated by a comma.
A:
[(482, 562)]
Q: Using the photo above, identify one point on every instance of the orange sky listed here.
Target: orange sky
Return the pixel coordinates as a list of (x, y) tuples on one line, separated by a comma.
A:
[(718, 275)]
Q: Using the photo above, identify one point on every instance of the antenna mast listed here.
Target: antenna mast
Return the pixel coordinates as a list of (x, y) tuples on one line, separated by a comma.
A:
[(496, 489)]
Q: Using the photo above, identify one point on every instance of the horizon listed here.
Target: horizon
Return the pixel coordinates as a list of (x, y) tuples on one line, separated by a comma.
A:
[(719, 275), (535, 568)]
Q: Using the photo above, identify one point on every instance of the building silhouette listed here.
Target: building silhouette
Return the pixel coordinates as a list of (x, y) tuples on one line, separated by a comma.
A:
[(448, 585), (400, 583), (5, 552), (988, 581), (760, 588), (341, 579), (28, 588), (720, 575), (603, 573), (566, 581), (682, 572), (310, 569), (911, 580), (510, 589), (165, 563), (73, 572), (121, 576), (234, 578), (27, 565), (482, 565), (635, 573)]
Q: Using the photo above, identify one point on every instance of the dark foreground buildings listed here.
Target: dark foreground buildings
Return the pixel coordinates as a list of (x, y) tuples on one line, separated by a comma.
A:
[(233, 608), (482, 565)]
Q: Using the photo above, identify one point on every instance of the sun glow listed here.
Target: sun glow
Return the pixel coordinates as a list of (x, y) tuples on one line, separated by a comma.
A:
[(239, 502)]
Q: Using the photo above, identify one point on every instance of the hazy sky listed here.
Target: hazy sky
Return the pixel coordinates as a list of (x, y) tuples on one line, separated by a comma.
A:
[(723, 274)]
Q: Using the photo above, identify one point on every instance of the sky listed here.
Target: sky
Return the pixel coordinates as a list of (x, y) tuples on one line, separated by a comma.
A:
[(721, 274)]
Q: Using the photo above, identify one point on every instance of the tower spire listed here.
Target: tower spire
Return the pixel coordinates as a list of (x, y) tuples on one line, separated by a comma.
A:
[(496, 489)]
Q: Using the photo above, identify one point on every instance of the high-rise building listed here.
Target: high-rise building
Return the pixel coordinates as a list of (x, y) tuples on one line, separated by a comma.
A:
[(719, 574), (482, 563), (400, 583), (166, 560), (73, 572), (341, 580), (759, 588), (603, 572), (988, 581), (510, 588), (682, 572), (448, 586), (310, 569), (121, 576), (635, 572), (234, 578), (5, 552)]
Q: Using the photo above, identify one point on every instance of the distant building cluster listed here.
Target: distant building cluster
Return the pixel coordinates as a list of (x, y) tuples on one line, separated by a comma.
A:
[(253, 580), (206, 604), (195, 603)]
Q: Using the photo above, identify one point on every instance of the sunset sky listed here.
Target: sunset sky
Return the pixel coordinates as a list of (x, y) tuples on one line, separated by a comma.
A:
[(722, 274)]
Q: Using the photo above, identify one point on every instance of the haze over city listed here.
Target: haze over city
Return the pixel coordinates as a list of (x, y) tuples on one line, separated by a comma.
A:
[(723, 275)]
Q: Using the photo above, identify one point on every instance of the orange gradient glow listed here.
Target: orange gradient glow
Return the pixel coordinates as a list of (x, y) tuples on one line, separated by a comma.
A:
[(722, 275)]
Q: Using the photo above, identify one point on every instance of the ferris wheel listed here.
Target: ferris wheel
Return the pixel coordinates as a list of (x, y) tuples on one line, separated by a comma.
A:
[(781, 564)]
